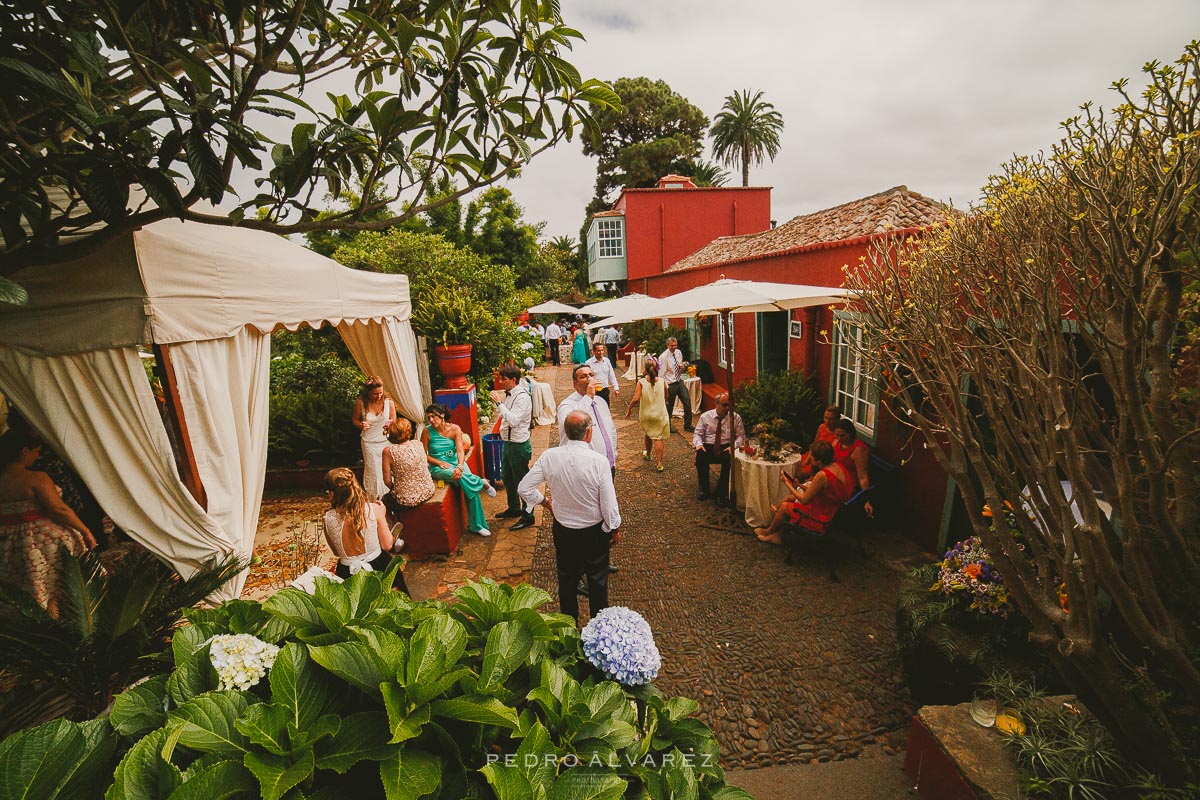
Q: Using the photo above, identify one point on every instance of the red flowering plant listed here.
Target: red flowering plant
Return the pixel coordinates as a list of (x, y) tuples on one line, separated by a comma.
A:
[(967, 570)]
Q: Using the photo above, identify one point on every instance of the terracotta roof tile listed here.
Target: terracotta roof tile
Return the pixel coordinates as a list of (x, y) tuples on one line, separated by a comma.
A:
[(895, 209)]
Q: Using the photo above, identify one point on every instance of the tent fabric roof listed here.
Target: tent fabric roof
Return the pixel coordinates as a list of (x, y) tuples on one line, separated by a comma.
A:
[(175, 281), (896, 209)]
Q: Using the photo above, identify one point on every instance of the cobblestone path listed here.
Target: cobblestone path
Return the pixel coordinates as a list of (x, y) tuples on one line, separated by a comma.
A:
[(788, 666)]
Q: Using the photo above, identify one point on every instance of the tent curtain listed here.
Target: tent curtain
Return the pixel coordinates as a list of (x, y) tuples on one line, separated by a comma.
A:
[(98, 411), (388, 348), (224, 388)]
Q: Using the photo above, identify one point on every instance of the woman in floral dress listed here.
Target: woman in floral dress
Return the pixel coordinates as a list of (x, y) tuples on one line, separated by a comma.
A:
[(35, 524), (406, 466)]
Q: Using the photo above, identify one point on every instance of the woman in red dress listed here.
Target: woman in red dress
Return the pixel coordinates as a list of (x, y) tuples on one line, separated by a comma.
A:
[(815, 502)]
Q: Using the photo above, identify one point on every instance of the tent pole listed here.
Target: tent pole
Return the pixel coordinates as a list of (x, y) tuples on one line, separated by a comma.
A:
[(181, 443)]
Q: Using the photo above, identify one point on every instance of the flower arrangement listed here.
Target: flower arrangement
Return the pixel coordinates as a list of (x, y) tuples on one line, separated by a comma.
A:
[(618, 641), (770, 439), (241, 660), (967, 568)]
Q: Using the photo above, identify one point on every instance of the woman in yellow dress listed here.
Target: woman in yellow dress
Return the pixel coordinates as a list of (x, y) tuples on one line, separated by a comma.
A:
[(651, 397)]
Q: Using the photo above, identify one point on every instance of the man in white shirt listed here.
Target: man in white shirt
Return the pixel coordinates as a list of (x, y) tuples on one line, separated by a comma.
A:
[(583, 502), (719, 432), (553, 333), (515, 407), (612, 340), (604, 437), (602, 368), (670, 369)]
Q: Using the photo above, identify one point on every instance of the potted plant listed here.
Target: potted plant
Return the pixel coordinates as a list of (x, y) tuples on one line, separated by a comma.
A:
[(448, 320)]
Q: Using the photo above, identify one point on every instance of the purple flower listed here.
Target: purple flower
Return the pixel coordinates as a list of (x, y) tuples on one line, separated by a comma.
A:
[(618, 641)]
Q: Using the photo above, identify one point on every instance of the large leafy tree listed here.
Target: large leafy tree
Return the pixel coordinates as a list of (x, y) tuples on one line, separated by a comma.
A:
[(746, 130), (1049, 337), (116, 113), (653, 132)]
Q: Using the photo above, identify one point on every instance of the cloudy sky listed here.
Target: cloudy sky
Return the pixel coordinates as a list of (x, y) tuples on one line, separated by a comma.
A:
[(933, 94)]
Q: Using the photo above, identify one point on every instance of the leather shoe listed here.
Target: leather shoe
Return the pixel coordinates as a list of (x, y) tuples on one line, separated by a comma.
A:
[(613, 568), (581, 589), (689, 428), (508, 514), (703, 495), (522, 524)]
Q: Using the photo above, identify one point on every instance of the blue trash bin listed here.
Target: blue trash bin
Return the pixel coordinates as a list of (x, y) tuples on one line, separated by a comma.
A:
[(493, 450)]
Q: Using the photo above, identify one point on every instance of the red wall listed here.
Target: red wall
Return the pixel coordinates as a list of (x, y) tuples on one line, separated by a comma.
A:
[(663, 226), (922, 483)]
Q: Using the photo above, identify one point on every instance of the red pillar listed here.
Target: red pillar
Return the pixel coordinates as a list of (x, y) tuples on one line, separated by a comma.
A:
[(464, 412)]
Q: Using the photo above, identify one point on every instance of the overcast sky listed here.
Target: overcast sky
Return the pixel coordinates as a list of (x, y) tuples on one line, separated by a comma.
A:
[(933, 94)]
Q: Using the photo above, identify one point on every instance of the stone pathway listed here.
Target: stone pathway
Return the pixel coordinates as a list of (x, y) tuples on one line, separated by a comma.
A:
[(789, 668)]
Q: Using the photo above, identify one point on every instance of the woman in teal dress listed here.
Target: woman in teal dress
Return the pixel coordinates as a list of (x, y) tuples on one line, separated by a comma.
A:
[(580, 347), (443, 442)]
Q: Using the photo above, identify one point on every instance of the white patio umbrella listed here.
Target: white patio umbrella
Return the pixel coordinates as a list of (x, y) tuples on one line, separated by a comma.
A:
[(617, 305), (728, 296), (553, 307)]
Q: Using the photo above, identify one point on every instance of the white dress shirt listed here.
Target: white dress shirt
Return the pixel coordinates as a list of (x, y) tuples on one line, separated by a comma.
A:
[(581, 486), (706, 429), (670, 365), (516, 414), (604, 436), (602, 368), (612, 336), (553, 332)]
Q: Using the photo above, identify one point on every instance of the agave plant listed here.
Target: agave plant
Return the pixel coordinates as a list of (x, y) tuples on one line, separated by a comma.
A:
[(110, 626)]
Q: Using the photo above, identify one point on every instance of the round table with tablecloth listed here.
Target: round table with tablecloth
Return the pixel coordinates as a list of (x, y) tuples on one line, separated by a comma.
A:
[(695, 390), (758, 486)]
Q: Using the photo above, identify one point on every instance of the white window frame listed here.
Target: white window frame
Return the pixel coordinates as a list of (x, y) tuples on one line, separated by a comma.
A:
[(725, 344), (851, 389), (610, 237)]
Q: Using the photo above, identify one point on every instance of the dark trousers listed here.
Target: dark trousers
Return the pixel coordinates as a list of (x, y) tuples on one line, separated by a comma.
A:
[(514, 465), (380, 565), (707, 457), (552, 344), (612, 353), (679, 389), (604, 393), (581, 552)]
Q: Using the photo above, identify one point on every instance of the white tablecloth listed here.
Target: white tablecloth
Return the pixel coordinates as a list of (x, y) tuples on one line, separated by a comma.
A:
[(637, 361), (544, 407), (695, 391), (758, 486)]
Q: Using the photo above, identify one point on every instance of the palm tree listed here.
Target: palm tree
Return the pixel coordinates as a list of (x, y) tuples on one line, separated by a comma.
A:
[(706, 173), (747, 129)]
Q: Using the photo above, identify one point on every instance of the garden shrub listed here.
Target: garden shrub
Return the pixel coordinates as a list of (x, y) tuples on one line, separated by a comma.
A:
[(312, 400), (372, 695), (652, 337), (788, 396)]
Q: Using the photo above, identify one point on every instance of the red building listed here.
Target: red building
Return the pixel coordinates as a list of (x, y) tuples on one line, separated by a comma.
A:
[(647, 230), (812, 249)]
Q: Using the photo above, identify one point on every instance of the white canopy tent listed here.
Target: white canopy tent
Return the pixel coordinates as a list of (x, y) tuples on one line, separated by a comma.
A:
[(553, 307), (208, 298)]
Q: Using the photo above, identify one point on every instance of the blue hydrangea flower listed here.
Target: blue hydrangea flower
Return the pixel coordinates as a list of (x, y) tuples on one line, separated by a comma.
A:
[(619, 643)]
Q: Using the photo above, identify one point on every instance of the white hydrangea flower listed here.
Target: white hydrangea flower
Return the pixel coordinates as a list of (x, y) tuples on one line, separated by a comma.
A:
[(241, 660)]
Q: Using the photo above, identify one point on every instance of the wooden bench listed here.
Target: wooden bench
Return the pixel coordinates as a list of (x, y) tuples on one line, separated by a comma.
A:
[(435, 527), (849, 520)]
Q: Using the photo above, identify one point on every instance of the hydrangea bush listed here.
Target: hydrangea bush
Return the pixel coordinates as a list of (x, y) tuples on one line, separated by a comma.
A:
[(618, 641), (356, 691)]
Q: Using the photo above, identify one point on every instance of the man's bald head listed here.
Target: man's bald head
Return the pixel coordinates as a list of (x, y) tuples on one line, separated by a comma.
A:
[(577, 425)]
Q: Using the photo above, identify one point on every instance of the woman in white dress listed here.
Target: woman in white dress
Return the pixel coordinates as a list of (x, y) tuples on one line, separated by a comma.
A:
[(356, 529), (373, 412)]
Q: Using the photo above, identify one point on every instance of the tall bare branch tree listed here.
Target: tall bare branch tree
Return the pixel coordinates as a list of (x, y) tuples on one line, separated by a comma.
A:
[(1046, 341)]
